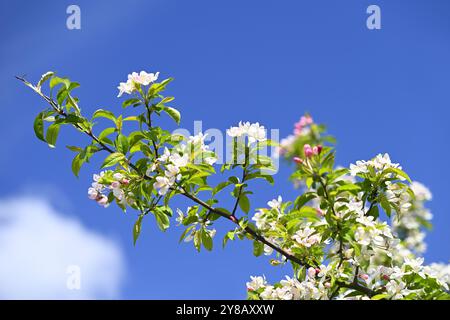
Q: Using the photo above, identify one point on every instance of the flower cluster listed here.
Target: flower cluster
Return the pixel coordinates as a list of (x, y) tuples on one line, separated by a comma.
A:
[(254, 131), (307, 236), (371, 231), (113, 183), (142, 78), (378, 164), (270, 221), (315, 286), (301, 127), (171, 162), (409, 224)]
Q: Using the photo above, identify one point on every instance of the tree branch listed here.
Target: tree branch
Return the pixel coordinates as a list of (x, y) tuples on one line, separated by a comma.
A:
[(232, 218)]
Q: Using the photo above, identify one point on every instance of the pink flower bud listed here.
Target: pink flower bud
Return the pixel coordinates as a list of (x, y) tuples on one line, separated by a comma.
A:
[(308, 150), (317, 270), (125, 181), (298, 160), (315, 150), (319, 212), (327, 285), (319, 149), (364, 276), (385, 277)]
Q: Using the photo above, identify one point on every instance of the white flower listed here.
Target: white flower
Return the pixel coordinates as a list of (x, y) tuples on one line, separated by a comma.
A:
[(118, 176), (306, 236), (103, 201), (268, 293), (260, 219), (396, 289), (165, 156), (267, 250), (125, 87), (366, 221), (151, 169), (179, 161), (210, 160), (363, 236), (439, 271), (284, 293), (256, 283), (92, 193), (311, 272), (416, 265), (180, 216), (171, 171), (359, 167), (119, 194), (244, 126), (234, 132), (162, 184), (212, 232), (256, 133), (198, 141), (97, 177), (143, 77), (421, 192), (275, 203)]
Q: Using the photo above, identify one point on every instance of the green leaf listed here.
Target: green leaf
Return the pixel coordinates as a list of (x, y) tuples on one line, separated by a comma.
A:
[(135, 102), (52, 135), (173, 113), (303, 199), (113, 159), (122, 144), (106, 133), (197, 240), (185, 232), (161, 218), (385, 204), (57, 80), (398, 172), (258, 248), (379, 296), (74, 148), (137, 229), (244, 203), (39, 126), (348, 187), (207, 240), (100, 113), (44, 78), (119, 122), (167, 99), (77, 162), (374, 212), (220, 187)]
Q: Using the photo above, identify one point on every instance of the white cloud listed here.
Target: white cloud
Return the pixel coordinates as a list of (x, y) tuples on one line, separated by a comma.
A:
[(39, 247)]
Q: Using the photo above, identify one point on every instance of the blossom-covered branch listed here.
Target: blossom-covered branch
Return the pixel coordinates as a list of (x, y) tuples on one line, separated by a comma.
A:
[(352, 233)]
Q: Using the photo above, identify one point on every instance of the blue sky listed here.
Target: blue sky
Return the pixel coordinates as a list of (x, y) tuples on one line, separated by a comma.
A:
[(378, 91)]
